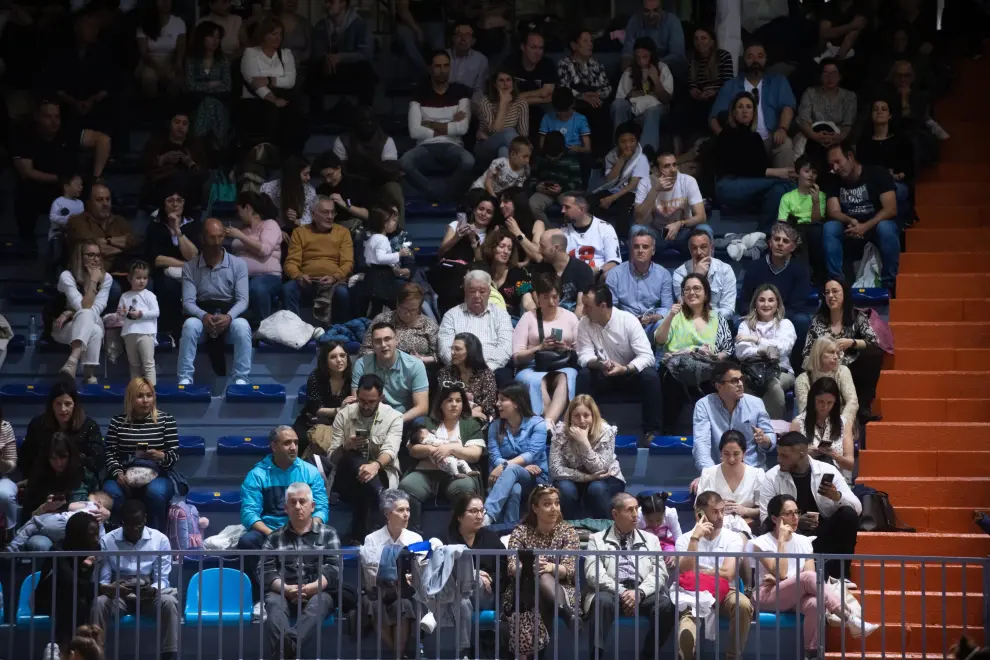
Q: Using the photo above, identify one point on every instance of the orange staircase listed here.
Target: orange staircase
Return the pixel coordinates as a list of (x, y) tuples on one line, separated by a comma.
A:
[(931, 452)]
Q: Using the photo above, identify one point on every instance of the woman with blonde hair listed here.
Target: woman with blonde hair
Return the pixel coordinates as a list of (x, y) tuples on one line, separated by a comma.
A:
[(583, 465), (86, 288), (824, 360), (766, 334), (143, 437)]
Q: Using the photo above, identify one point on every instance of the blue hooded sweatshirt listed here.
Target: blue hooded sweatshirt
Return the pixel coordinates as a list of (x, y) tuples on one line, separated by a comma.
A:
[(263, 492)]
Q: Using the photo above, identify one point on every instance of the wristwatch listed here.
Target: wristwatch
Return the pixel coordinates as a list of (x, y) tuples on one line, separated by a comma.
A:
[(520, 238)]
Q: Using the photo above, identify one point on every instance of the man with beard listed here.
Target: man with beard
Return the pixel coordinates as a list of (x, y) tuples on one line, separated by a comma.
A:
[(775, 104)]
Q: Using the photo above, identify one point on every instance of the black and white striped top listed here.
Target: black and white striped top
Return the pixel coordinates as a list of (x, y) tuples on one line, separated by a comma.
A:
[(123, 437)]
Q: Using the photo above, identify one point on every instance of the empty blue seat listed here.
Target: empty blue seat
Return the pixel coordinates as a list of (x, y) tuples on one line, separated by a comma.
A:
[(51, 347), (25, 612), (17, 344), (870, 295), (192, 445), (302, 393), (671, 445), (24, 392), (787, 619), (173, 393), (218, 596), (267, 347), (417, 208), (103, 393), (626, 445), (214, 500), (30, 294), (239, 444), (267, 393)]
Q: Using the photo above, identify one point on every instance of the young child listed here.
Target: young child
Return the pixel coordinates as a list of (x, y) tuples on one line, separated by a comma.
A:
[(380, 256), (509, 171), (63, 208), (659, 519), (798, 206), (646, 83), (574, 125), (450, 465), (139, 309), (52, 524)]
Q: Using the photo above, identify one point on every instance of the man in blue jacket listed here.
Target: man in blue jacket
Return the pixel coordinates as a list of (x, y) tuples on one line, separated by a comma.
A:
[(263, 494), (343, 51)]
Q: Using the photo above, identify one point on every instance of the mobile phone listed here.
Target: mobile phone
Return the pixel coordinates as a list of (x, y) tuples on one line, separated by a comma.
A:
[(827, 478), (142, 446), (461, 219), (557, 334), (700, 515), (825, 444), (362, 433)]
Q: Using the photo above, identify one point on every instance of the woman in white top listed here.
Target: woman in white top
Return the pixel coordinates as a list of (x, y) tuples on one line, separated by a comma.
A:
[(824, 359), (161, 40), (736, 483), (396, 612), (269, 97), (86, 287), (830, 438), (766, 333)]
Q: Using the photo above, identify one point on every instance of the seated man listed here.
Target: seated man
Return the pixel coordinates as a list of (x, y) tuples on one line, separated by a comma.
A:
[(535, 76), (300, 583), (730, 408), (132, 582), (861, 205), (343, 52), (831, 511), (721, 277), (483, 319), (616, 358), (320, 259), (776, 100), (364, 447), (575, 275), (674, 206), (708, 536), (214, 295), (589, 239), (263, 493), (664, 29), (439, 116), (640, 286), (467, 66), (639, 582), (406, 388)]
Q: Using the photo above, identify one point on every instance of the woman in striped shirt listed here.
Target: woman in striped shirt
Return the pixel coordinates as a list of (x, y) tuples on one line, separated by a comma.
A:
[(502, 116), (709, 68), (8, 461), (143, 433)]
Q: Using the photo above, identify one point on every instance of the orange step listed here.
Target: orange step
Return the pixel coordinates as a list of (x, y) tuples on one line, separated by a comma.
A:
[(868, 574), (968, 172), (965, 230), (913, 263), (939, 359), (946, 285), (954, 309), (962, 193), (951, 217), (957, 334), (935, 410), (922, 544), (890, 435), (933, 384), (934, 491), (964, 150), (917, 640), (891, 608), (901, 463), (941, 520)]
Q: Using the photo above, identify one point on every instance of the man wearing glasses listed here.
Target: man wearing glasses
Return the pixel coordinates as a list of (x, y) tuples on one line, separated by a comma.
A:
[(407, 389)]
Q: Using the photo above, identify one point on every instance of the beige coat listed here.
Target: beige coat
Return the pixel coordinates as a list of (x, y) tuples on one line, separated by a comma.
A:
[(386, 436)]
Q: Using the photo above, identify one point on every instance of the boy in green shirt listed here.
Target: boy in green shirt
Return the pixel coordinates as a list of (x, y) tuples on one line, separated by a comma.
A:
[(797, 204)]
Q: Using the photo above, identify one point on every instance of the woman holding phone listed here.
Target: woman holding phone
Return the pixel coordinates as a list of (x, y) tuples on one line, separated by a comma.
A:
[(461, 247), (828, 432)]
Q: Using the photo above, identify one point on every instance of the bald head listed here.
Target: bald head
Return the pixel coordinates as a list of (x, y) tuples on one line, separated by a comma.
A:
[(213, 235), (553, 243)]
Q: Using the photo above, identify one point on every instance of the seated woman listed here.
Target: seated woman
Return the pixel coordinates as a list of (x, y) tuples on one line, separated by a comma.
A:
[(502, 117), (830, 436), (501, 260), (765, 333), (328, 389), (521, 223), (457, 435), (517, 455), (467, 366), (415, 332), (548, 332), (825, 116), (144, 437), (208, 84), (174, 158), (854, 338), (744, 179), (543, 528), (392, 610), (219, 13), (460, 247), (644, 92), (161, 42), (8, 463), (690, 326), (824, 359), (737, 483), (86, 288), (890, 150), (258, 242), (583, 466), (292, 194), (173, 238), (709, 67)]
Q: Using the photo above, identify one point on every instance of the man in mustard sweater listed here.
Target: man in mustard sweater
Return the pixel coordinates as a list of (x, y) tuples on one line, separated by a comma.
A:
[(320, 259)]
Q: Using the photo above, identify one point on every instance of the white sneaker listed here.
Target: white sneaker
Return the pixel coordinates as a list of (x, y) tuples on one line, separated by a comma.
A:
[(185, 381), (833, 620), (241, 381), (428, 623), (258, 613), (858, 628), (51, 652), (937, 130)]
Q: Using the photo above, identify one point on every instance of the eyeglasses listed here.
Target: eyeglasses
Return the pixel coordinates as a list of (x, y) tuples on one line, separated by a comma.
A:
[(94, 255), (733, 381), (475, 512), (452, 383), (694, 289)]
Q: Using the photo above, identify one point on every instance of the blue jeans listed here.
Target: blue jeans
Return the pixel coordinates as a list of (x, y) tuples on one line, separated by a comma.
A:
[(595, 496), (905, 210), (424, 164), (263, 291), (156, 497), (679, 243), (533, 380), (753, 194), (505, 496), (238, 334), (801, 322), (433, 39), (885, 235), (38, 543), (294, 293), (622, 112), (8, 501), (496, 146)]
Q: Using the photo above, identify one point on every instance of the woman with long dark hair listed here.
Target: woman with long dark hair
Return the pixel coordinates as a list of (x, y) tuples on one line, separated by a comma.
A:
[(292, 194), (461, 247), (521, 223), (8, 461), (709, 67), (644, 92), (829, 434), (328, 389), (502, 117), (500, 256), (208, 83), (173, 238), (467, 366)]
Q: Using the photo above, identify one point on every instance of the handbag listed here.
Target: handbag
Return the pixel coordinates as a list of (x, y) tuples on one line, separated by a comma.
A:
[(759, 372), (717, 586), (693, 368), (223, 190), (551, 360), (878, 513)]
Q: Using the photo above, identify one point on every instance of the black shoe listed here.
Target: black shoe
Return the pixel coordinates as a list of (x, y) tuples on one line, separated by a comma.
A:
[(867, 415)]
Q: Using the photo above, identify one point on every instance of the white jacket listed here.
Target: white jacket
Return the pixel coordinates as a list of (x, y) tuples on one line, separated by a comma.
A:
[(782, 483), (284, 327), (600, 571)]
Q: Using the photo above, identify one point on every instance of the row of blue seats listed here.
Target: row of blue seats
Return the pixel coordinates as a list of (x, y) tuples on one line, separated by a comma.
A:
[(166, 393), (18, 344)]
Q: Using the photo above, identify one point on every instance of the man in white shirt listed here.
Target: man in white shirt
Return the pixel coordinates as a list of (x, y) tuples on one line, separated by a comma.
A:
[(129, 581), (709, 536), (589, 239), (831, 511), (488, 322), (721, 277), (673, 207), (616, 359)]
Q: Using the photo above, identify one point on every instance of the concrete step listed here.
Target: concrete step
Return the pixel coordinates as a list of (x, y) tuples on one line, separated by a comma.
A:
[(891, 434), (931, 491), (955, 334), (942, 520), (893, 609), (944, 262), (960, 193), (930, 577), (970, 229), (945, 285), (904, 463), (940, 359), (913, 640), (933, 384), (935, 410), (927, 544)]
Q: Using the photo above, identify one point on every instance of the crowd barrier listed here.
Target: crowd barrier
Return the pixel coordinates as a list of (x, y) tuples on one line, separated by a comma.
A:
[(909, 597)]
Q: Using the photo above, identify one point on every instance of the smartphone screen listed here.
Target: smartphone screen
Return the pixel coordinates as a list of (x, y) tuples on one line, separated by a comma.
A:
[(558, 334), (362, 433), (824, 444), (827, 478)]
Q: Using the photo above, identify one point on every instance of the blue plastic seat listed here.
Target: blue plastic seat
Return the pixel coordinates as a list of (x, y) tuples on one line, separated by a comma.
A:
[(218, 596), (266, 347), (626, 445), (30, 294), (25, 612), (192, 445), (215, 500), (870, 295), (174, 393), (51, 347), (302, 393), (103, 393), (787, 619), (239, 445), (267, 393), (417, 208), (17, 344), (671, 445), (24, 392)]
